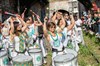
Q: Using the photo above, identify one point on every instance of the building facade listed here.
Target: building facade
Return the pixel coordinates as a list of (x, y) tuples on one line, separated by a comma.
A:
[(68, 5)]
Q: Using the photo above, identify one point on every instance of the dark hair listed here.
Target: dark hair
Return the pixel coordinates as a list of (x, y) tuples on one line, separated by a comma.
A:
[(26, 19), (58, 22), (63, 11), (50, 24), (31, 17), (16, 24), (66, 24), (54, 13)]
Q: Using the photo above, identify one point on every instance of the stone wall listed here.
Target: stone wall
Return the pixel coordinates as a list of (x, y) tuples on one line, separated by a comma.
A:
[(56, 5), (68, 5)]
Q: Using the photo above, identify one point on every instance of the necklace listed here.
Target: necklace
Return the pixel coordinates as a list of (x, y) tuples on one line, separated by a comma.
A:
[(53, 38)]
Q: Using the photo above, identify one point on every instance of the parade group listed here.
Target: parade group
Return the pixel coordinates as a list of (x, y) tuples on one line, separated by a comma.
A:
[(22, 45)]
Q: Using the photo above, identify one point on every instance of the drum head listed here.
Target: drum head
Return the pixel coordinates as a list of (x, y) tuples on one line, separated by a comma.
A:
[(72, 52), (63, 58), (3, 53), (35, 50), (22, 58)]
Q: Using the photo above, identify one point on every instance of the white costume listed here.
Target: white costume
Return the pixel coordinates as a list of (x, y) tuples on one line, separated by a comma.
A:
[(79, 31)]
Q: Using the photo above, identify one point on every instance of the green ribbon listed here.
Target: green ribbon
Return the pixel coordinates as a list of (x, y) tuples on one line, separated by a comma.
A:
[(21, 46)]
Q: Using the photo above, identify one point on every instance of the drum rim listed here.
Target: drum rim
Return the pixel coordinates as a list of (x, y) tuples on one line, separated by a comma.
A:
[(21, 62), (66, 61), (35, 52), (4, 54)]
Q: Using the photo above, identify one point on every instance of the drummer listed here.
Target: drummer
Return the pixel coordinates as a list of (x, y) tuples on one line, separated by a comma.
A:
[(32, 30), (55, 38), (18, 36)]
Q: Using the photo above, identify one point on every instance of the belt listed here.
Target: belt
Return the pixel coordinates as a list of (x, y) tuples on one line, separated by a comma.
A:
[(55, 50)]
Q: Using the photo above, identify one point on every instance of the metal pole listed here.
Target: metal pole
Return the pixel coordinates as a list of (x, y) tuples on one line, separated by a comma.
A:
[(18, 8)]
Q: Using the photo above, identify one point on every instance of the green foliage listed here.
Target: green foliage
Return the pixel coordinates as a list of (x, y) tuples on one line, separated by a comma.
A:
[(84, 51)]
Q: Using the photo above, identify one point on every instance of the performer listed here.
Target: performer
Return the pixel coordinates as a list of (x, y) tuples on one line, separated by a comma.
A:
[(55, 38)]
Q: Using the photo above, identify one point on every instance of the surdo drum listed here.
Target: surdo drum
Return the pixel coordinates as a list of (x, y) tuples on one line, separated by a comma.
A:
[(36, 53), (68, 59), (3, 58), (22, 60)]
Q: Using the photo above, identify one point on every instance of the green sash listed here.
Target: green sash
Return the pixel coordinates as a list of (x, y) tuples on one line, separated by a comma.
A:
[(22, 41)]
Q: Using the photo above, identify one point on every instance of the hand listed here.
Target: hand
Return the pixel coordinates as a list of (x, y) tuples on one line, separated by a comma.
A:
[(11, 19), (32, 12), (45, 19), (18, 16), (25, 8)]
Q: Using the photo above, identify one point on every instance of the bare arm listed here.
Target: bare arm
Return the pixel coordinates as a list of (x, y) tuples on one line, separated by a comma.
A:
[(11, 26), (33, 15), (23, 14), (23, 23), (72, 23), (64, 23), (45, 29), (54, 17), (39, 22)]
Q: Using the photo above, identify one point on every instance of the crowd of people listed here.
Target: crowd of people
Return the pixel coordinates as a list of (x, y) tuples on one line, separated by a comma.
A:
[(92, 23), (61, 31)]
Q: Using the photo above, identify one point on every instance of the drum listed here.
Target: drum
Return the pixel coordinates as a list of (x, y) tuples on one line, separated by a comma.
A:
[(12, 53), (3, 58), (68, 59), (75, 61), (22, 60), (37, 56)]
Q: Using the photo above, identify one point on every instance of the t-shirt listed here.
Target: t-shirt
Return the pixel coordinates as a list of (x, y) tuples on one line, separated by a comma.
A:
[(78, 22)]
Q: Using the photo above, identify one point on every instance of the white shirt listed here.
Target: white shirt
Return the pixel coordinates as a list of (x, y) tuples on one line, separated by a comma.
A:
[(69, 23), (78, 22), (17, 43)]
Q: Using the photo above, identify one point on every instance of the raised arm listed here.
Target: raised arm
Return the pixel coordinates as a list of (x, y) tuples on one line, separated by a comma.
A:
[(72, 23), (64, 23), (33, 15), (54, 17), (45, 29), (11, 26), (39, 22), (23, 14), (24, 25)]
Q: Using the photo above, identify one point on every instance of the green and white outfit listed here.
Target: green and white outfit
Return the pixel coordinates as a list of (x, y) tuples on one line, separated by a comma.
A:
[(31, 34), (56, 45), (19, 43)]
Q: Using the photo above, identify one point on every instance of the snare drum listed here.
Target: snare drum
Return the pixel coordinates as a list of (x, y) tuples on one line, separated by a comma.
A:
[(68, 59), (22, 60), (37, 56), (3, 58)]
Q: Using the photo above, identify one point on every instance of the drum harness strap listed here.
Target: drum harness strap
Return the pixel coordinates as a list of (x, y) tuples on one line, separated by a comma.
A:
[(55, 50)]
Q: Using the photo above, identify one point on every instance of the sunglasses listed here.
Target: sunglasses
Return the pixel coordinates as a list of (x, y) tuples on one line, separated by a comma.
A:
[(53, 27)]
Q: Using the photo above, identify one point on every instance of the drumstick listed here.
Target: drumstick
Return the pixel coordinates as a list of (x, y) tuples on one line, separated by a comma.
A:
[(10, 13), (34, 13), (25, 10)]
